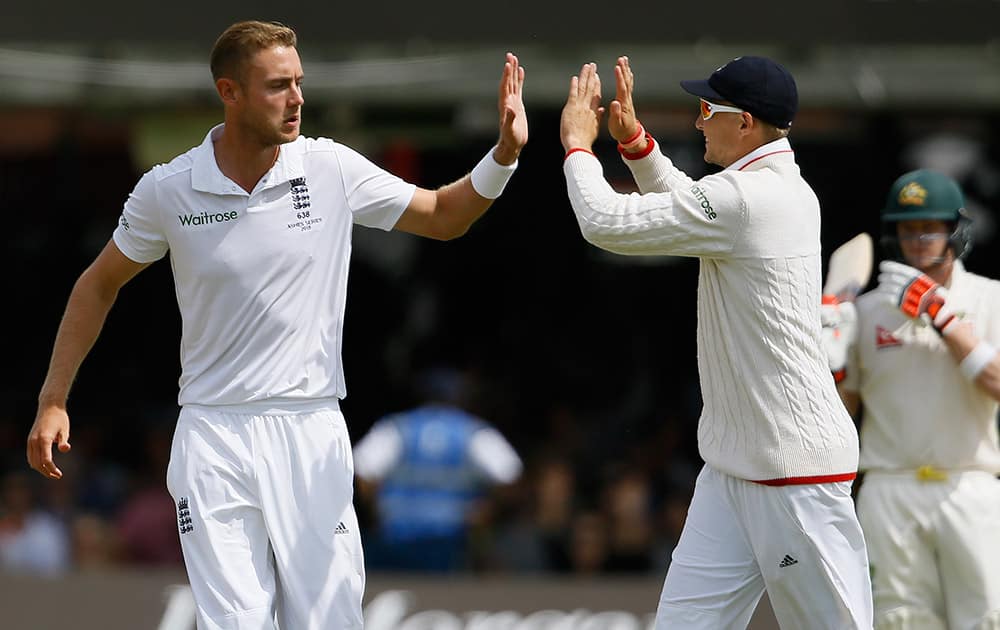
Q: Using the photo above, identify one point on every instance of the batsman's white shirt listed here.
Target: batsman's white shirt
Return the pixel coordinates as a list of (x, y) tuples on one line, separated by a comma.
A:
[(771, 411), (891, 364), (261, 277), (930, 501)]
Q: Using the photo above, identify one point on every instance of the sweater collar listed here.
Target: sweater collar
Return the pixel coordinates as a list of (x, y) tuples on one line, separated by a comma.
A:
[(781, 145)]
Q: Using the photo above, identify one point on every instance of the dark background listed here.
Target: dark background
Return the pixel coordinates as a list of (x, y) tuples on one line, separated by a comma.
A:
[(554, 23)]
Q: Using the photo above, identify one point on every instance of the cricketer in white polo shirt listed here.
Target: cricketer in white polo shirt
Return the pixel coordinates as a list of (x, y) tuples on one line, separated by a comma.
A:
[(257, 223), (772, 508)]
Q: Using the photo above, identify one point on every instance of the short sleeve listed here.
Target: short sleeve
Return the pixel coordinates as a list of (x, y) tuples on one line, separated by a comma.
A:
[(495, 456), (139, 234), (376, 197)]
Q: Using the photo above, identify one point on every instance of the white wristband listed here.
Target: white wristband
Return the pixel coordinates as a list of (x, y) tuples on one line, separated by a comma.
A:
[(489, 178), (977, 360)]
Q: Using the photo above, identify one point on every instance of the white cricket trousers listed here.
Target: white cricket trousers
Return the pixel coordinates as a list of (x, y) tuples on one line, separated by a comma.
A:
[(266, 518), (935, 549), (802, 543)]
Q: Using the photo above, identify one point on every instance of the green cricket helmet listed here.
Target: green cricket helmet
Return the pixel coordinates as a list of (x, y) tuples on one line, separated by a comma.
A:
[(926, 195)]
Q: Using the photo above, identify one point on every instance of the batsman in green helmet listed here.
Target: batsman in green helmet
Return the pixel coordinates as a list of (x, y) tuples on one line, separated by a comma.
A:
[(924, 368), (923, 210)]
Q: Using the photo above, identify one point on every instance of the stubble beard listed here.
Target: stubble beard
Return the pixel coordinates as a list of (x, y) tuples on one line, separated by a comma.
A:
[(268, 133)]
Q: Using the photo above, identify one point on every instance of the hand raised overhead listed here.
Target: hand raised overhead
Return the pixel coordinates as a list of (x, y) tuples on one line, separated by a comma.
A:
[(513, 119), (581, 116), (622, 121)]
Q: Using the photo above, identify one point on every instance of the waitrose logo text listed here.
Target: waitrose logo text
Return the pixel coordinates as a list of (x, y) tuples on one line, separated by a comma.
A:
[(207, 218)]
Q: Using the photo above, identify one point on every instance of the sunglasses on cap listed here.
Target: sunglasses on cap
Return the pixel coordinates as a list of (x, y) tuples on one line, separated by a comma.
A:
[(709, 109)]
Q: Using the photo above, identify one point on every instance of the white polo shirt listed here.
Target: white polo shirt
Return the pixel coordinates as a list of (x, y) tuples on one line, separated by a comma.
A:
[(771, 411), (919, 410), (261, 278)]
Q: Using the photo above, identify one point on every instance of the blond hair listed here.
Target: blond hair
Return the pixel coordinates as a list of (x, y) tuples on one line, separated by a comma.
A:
[(771, 132), (241, 41)]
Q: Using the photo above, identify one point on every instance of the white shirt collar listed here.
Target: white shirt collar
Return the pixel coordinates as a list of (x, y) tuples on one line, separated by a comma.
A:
[(957, 273), (207, 177), (781, 145)]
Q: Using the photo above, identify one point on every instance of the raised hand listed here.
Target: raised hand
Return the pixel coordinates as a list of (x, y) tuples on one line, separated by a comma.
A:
[(581, 116), (622, 122), (915, 294), (513, 119)]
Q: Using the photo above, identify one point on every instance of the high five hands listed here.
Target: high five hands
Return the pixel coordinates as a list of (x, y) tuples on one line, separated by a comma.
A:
[(513, 120), (582, 114), (622, 123)]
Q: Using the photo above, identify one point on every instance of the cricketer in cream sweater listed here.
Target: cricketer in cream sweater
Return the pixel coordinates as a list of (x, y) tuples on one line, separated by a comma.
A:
[(772, 508), (771, 412)]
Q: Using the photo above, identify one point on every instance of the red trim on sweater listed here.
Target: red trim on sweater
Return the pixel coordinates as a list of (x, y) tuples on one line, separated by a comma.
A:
[(572, 151), (764, 156), (650, 143), (802, 481), (638, 134)]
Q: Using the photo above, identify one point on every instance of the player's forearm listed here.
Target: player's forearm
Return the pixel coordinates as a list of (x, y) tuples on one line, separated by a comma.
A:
[(457, 207), (629, 224), (979, 361), (86, 310), (989, 378), (656, 173)]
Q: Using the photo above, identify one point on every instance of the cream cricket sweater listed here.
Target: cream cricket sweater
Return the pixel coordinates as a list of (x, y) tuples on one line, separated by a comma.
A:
[(771, 411)]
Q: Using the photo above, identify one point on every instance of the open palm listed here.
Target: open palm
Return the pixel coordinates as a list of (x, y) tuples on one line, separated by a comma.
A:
[(513, 119)]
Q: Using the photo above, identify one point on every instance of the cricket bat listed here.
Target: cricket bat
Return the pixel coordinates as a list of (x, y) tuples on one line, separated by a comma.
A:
[(850, 268)]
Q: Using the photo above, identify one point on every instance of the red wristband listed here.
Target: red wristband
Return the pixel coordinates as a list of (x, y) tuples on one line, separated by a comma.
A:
[(638, 134), (650, 143), (572, 151)]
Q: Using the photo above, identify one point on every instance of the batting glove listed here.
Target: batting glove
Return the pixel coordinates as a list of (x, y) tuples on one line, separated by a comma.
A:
[(840, 324), (915, 294)]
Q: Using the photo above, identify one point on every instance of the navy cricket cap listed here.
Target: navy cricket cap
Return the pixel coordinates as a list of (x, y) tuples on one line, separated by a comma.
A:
[(755, 84)]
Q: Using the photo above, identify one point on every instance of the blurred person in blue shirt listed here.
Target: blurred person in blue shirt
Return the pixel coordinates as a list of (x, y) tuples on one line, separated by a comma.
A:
[(428, 471), (32, 541)]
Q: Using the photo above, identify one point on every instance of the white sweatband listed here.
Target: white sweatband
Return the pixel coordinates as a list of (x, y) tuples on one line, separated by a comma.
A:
[(977, 360), (489, 178)]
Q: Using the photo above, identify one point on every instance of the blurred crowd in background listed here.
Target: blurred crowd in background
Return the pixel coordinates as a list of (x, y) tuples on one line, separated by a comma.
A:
[(583, 361)]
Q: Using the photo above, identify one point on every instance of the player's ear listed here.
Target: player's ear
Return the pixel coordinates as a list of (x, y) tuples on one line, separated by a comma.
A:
[(228, 90)]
